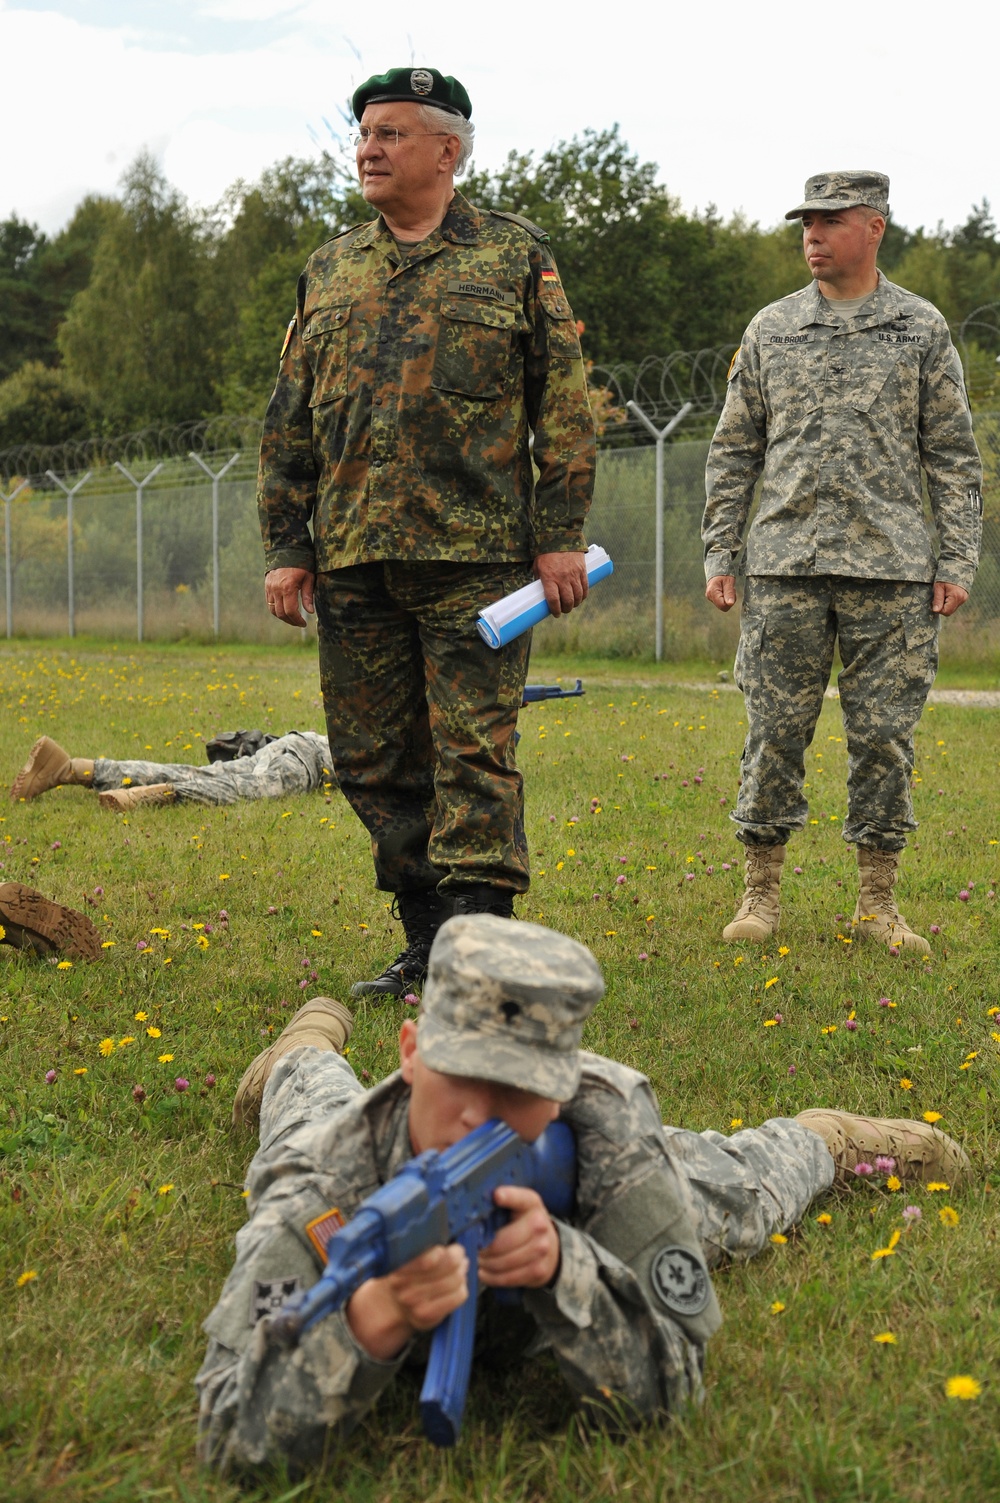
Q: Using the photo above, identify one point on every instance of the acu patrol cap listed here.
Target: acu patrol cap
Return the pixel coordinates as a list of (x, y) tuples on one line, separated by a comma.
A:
[(420, 85), (507, 1001), (830, 191)]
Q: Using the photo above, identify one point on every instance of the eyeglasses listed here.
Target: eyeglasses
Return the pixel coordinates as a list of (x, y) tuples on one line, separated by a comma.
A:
[(388, 135)]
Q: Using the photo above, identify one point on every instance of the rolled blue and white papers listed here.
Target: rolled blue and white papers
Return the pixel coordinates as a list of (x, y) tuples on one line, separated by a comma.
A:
[(506, 619)]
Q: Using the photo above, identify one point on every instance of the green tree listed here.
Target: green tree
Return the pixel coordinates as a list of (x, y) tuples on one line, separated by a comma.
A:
[(41, 405), (137, 336)]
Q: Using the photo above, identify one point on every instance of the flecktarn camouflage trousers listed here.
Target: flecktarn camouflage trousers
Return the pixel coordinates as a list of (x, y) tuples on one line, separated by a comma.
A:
[(888, 641), (296, 763), (421, 717)]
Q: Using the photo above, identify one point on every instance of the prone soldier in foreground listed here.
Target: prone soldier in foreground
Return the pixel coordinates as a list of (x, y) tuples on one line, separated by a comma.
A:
[(618, 1291)]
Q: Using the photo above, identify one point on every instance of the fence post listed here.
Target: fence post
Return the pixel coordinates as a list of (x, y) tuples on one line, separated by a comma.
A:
[(215, 528), (140, 486), (660, 435), (69, 494), (6, 552)]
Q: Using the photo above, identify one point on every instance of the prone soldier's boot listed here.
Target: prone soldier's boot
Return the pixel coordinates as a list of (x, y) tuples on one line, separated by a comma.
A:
[(31, 921), (50, 766), (758, 914), (876, 915), (123, 799), (422, 911), (322, 1023), (920, 1151)]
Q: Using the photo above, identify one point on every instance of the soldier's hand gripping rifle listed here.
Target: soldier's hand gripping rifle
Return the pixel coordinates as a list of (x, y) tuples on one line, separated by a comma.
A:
[(435, 1199)]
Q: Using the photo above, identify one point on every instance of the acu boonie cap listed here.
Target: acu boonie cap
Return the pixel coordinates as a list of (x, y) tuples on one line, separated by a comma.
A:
[(421, 85), (507, 1001), (830, 191)]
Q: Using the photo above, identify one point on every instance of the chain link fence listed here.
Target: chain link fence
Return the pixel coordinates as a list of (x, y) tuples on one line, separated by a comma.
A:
[(168, 560)]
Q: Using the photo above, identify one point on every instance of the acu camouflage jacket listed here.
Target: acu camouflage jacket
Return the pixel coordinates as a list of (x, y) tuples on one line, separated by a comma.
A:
[(838, 418), (617, 1321), (407, 393)]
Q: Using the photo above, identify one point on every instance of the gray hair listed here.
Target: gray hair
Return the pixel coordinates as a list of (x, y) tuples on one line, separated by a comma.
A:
[(451, 124)]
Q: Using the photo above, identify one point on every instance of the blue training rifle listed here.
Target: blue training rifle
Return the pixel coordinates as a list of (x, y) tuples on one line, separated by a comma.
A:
[(437, 1198), (533, 693)]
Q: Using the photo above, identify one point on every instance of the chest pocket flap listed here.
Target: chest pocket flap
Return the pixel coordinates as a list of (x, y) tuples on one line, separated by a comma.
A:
[(325, 341), (476, 340)]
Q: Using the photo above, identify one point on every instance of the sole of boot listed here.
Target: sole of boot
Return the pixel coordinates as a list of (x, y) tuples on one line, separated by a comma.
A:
[(69, 932), (45, 760)]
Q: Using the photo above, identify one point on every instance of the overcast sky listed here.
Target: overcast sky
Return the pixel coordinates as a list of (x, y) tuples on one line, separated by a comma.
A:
[(737, 103)]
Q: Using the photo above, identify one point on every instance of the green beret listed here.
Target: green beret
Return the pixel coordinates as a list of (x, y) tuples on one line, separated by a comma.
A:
[(421, 85)]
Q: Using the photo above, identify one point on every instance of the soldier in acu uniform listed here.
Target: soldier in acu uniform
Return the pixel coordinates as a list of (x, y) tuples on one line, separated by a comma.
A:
[(619, 1294), (840, 397), (433, 360)]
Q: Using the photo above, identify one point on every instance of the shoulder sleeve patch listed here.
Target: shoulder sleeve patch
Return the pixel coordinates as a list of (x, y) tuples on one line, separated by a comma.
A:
[(268, 1295), (680, 1281), (287, 339), (526, 224)]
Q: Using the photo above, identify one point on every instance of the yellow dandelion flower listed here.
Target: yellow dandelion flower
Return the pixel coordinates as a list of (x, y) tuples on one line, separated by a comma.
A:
[(223, 876), (153, 1033), (106, 1047), (824, 1218), (770, 1022), (936, 1184), (777, 1307), (963, 1387), (164, 1189), (202, 941), (165, 1059), (948, 1215), (885, 1338), (889, 1251), (933, 1117), (906, 1085), (778, 1239), (64, 965), (736, 1122), (773, 982), (128, 1039), (126, 782), (83, 1071), (26, 1277), (140, 1017), (316, 933), (783, 950), (893, 1183), (108, 944)]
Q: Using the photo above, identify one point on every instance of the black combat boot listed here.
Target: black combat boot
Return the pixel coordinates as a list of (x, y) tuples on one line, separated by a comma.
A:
[(422, 912), (482, 898)]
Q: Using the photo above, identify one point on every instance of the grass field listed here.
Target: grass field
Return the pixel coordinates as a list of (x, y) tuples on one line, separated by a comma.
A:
[(117, 1215)]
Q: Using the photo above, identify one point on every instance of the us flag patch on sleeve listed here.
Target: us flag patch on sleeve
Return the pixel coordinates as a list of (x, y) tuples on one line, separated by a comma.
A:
[(269, 1295), (322, 1228)]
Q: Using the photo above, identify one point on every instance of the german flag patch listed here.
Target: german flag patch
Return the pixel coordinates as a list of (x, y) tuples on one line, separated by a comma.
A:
[(322, 1228), (548, 275)]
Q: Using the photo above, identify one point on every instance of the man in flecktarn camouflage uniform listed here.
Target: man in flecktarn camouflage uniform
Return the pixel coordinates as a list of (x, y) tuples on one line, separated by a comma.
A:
[(840, 399), (432, 357), (619, 1293)]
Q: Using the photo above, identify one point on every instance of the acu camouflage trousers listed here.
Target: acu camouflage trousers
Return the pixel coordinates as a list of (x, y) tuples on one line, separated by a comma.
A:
[(296, 763), (421, 717), (888, 641)]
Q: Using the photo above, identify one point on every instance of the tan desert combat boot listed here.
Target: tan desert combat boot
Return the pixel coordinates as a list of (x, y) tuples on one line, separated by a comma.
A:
[(123, 799), (920, 1151), (876, 915), (322, 1022), (758, 915), (31, 921), (49, 766)]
